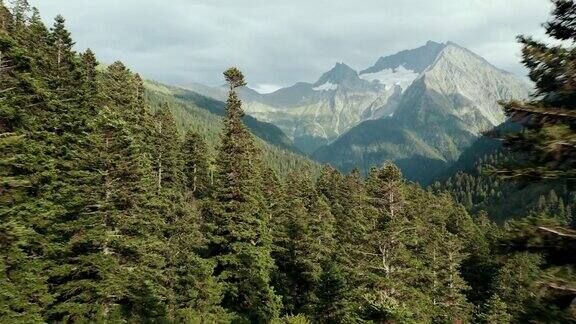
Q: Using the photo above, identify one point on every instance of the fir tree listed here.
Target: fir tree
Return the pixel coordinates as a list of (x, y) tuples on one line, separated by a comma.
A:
[(386, 257), (515, 284), (333, 301), (307, 243), (240, 241), (167, 154), (544, 141), (20, 10), (495, 311), (196, 165), (24, 171), (90, 75)]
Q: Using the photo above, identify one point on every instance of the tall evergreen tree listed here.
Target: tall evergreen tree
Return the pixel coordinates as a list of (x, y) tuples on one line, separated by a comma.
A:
[(386, 257), (240, 240), (24, 171), (168, 156), (495, 311), (20, 11)]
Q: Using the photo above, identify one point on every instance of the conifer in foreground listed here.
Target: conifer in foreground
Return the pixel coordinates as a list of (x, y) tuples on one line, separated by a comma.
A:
[(240, 240)]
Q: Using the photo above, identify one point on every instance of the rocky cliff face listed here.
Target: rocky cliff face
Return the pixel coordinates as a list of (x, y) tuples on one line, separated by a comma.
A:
[(471, 86)]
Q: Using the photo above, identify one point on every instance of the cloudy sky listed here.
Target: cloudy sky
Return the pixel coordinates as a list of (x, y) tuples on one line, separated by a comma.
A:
[(279, 42)]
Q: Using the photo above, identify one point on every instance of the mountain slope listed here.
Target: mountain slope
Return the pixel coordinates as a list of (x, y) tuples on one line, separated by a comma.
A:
[(420, 108), (502, 199), (439, 115), (470, 88), (313, 114), (203, 115)]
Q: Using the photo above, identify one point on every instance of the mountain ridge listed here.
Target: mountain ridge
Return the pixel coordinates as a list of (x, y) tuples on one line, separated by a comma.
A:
[(439, 115), (438, 98)]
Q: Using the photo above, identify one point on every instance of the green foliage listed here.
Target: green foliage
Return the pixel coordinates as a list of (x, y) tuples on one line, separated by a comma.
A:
[(503, 200), (495, 311), (197, 170), (112, 210), (234, 78), (198, 114), (298, 319), (240, 240), (546, 142)]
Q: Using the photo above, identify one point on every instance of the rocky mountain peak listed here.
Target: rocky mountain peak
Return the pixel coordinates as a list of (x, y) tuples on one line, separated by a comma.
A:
[(473, 86), (416, 60), (437, 97), (337, 75)]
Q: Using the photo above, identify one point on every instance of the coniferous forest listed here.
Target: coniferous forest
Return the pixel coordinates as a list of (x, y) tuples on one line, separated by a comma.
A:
[(112, 213)]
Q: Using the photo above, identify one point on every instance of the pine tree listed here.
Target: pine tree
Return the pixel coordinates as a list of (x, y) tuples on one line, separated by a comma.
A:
[(92, 97), (196, 168), (384, 186), (92, 275), (515, 284), (352, 226), (167, 154), (546, 142), (386, 257), (495, 311), (333, 301), (194, 293), (113, 222), (443, 256), (26, 169), (64, 73), (481, 265), (20, 11), (240, 241), (37, 37), (305, 242)]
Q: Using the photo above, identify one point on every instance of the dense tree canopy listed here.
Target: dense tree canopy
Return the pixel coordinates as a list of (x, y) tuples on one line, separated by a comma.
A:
[(110, 213)]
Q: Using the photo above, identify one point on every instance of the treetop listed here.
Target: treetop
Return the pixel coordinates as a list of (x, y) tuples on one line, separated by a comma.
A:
[(234, 78)]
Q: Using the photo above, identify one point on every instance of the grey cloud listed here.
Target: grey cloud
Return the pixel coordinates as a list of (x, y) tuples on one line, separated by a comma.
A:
[(282, 42)]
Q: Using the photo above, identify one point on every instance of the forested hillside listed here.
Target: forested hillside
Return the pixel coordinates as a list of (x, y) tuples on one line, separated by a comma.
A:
[(472, 182), (203, 115), (503, 200), (114, 208)]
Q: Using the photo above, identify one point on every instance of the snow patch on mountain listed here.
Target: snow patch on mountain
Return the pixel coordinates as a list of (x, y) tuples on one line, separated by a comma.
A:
[(328, 86), (400, 76)]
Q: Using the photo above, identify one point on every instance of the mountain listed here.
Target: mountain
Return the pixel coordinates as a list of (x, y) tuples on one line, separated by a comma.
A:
[(420, 108), (439, 115), (313, 114), (414, 60)]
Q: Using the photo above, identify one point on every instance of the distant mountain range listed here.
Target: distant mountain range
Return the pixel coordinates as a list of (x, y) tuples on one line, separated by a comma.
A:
[(420, 108)]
